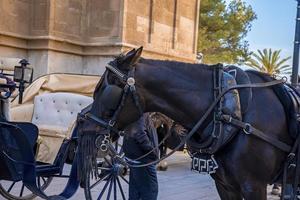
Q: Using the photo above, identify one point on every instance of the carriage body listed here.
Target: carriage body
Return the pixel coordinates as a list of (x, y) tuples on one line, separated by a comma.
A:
[(24, 138)]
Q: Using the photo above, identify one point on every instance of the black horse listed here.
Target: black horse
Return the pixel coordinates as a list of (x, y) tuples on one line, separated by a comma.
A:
[(184, 92)]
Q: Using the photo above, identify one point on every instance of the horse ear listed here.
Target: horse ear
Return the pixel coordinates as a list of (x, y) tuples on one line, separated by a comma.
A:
[(132, 57), (137, 56), (129, 54)]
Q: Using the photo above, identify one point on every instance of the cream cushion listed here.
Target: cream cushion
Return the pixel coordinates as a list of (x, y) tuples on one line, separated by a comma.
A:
[(55, 114)]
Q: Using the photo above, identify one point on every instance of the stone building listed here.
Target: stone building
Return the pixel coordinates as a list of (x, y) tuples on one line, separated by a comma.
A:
[(80, 36)]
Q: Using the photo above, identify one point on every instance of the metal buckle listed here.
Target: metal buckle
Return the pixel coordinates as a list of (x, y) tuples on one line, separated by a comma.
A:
[(130, 81), (226, 118), (230, 119), (121, 133), (290, 157), (111, 123), (247, 129), (103, 147)]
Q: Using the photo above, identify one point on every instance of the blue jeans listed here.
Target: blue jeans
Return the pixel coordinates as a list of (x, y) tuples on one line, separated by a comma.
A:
[(143, 183)]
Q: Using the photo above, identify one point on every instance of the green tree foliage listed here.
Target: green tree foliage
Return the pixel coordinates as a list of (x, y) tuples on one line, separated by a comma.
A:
[(269, 61), (222, 30)]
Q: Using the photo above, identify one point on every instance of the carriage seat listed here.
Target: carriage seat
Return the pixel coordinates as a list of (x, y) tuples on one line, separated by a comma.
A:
[(55, 115)]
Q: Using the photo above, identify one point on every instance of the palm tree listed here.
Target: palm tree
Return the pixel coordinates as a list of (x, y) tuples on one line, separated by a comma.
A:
[(269, 61)]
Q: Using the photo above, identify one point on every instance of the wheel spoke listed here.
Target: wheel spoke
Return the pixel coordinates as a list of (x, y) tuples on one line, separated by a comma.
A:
[(115, 188), (39, 182), (103, 190), (121, 151), (108, 161), (121, 189), (124, 179), (116, 146), (44, 180), (104, 168), (98, 181), (60, 176), (11, 187), (22, 190), (110, 187)]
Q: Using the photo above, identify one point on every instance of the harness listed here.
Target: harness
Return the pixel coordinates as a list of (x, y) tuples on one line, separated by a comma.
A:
[(203, 160), (217, 133)]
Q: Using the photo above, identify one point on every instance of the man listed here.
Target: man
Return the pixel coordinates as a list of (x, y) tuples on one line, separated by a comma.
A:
[(141, 138)]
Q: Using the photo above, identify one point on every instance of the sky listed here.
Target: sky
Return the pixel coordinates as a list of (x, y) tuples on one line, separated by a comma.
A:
[(275, 25)]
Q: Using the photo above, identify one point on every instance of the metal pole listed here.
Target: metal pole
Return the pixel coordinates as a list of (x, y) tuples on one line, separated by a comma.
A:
[(296, 49)]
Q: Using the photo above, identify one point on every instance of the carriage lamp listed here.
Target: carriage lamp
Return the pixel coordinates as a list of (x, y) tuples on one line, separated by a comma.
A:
[(23, 75)]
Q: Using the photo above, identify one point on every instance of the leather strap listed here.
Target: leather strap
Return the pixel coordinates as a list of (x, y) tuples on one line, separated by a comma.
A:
[(250, 130), (289, 163)]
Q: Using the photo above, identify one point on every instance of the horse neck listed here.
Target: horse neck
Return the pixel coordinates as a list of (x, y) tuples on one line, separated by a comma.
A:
[(181, 91)]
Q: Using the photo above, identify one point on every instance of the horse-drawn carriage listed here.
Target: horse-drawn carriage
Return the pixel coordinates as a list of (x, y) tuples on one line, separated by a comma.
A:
[(232, 140)]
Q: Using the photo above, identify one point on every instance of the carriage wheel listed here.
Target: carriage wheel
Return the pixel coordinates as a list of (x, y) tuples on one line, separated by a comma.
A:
[(17, 190), (112, 182)]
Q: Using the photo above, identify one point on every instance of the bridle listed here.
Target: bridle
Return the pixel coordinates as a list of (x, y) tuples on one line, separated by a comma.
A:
[(130, 90)]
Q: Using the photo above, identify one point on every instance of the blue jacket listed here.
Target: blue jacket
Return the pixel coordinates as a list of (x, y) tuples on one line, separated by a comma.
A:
[(140, 138)]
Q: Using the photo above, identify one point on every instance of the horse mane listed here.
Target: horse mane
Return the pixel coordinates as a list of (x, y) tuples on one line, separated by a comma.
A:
[(263, 75), (177, 64)]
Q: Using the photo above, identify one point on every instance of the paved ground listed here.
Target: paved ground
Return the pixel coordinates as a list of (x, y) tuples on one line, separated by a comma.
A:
[(175, 184)]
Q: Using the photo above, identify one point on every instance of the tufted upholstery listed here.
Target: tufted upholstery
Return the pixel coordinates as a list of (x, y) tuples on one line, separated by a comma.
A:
[(58, 109), (55, 114)]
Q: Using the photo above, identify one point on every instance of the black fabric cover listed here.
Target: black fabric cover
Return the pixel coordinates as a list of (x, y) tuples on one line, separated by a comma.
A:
[(111, 97), (10, 170)]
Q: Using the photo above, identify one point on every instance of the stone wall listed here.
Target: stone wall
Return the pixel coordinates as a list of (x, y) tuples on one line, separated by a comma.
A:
[(166, 28), (80, 36)]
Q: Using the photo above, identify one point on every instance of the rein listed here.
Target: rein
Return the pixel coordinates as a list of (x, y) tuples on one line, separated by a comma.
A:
[(130, 88)]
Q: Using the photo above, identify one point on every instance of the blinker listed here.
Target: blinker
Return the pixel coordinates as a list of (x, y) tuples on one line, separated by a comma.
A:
[(111, 97)]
